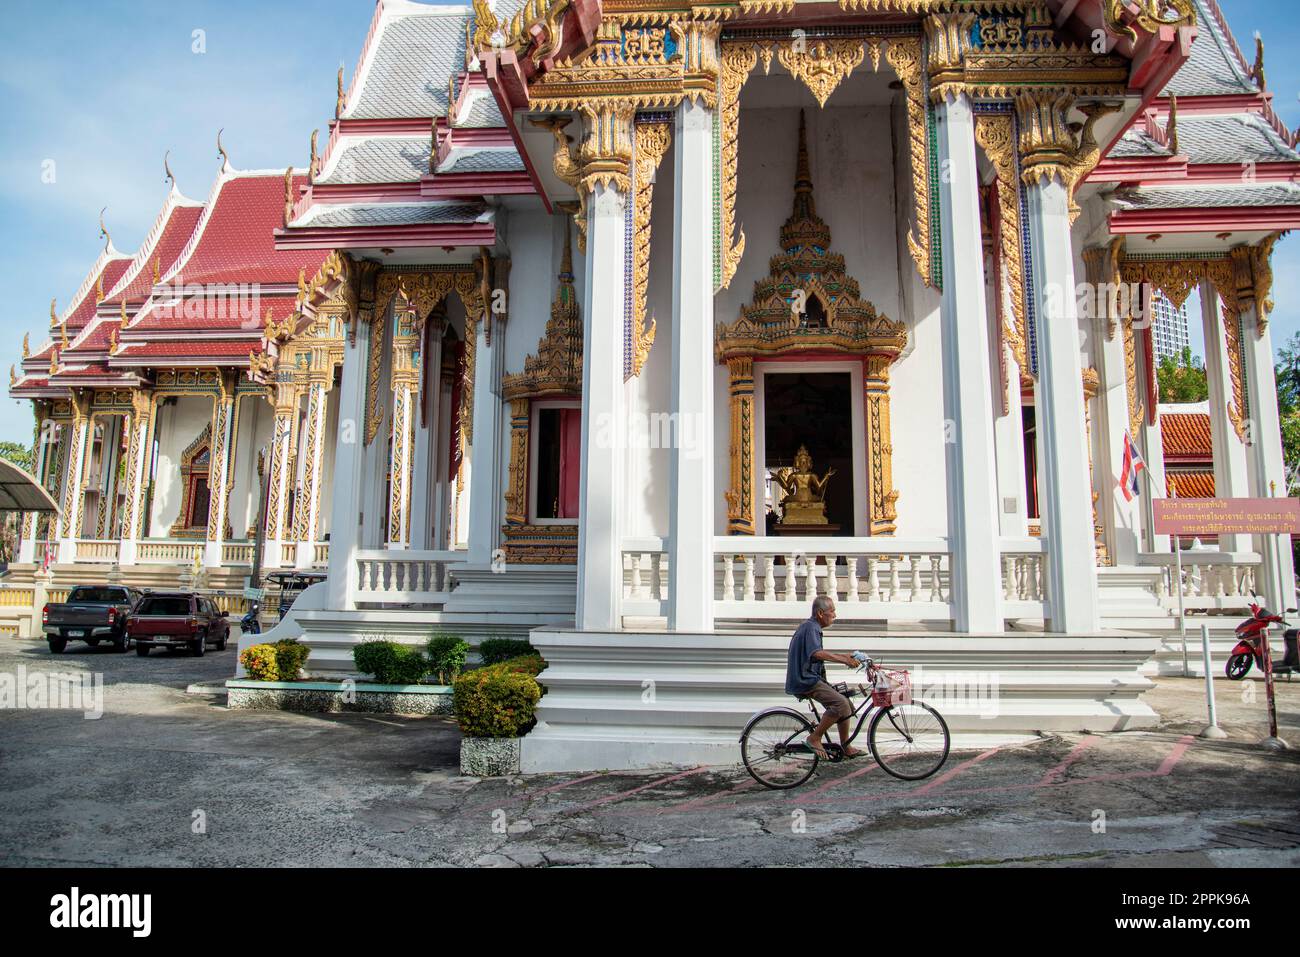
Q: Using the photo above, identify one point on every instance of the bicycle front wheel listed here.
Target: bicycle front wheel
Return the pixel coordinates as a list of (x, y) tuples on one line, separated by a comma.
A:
[(775, 750), (910, 741)]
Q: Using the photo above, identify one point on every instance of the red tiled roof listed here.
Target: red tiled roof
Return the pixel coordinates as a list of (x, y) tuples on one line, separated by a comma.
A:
[(108, 277), (237, 243), (234, 313), (1186, 435), (95, 339), (1198, 483), (170, 244), (221, 349)]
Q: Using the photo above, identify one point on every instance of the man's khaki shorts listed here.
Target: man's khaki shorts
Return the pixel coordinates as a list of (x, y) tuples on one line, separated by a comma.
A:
[(830, 699)]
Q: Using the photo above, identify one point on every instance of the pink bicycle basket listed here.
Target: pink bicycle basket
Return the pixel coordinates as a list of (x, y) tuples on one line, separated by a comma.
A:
[(896, 688)]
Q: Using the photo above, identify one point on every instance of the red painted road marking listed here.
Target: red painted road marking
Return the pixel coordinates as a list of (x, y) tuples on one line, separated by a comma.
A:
[(926, 789), (1176, 755), (535, 794), (1051, 776), (645, 787), (707, 799), (837, 782)]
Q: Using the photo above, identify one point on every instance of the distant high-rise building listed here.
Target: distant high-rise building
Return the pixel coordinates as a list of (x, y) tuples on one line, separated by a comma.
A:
[(1169, 329)]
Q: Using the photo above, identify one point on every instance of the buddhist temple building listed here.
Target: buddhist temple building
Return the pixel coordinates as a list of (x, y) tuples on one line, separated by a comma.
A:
[(631, 326)]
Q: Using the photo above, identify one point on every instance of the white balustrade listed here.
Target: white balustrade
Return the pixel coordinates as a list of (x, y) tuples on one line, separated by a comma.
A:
[(237, 553), (97, 552), (168, 553), (645, 578), (1024, 577), (402, 577), (1211, 580)]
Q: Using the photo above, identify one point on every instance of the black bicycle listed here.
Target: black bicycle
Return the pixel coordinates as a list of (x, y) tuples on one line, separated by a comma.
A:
[(908, 738)]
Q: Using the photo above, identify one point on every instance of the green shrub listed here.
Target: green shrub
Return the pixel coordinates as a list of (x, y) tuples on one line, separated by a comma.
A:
[(495, 702), (447, 654), (390, 662), (525, 665), (290, 656), (260, 663), (496, 650)]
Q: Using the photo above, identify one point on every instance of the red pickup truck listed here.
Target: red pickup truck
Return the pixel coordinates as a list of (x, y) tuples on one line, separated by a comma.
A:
[(177, 620)]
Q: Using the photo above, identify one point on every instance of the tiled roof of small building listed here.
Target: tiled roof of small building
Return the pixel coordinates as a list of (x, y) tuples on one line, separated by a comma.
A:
[(1213, 67), (1209, 197), (484, 160), (1186, 435), (1190, 483), (1239, 138)]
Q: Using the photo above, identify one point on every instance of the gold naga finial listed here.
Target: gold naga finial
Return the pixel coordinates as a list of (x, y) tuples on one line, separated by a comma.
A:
[(54, 315), (27, 344), (63, 333), (1172, 127), (122, 322), (288, 196), (103, 230), (13, 377), (311, 166), (221, 151), (270, 323), (302, 282), (1258, 70), (157, 269), (54, 362), (341, 101), (168, 176), (112, 342)]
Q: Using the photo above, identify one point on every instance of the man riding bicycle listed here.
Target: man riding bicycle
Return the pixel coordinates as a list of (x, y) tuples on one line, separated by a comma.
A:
[(805, 676)]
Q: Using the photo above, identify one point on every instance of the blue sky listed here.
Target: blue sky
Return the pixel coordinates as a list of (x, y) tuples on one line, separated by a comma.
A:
[(103, 89)]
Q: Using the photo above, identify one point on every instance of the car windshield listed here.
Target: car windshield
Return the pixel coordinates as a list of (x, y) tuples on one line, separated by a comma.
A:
[(162, 607), (105, 595)]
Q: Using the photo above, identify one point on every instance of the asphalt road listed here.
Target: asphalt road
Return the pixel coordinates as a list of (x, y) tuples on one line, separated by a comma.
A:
[(166, 778)]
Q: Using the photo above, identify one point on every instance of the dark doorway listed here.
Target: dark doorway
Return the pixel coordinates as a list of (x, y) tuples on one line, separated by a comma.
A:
[(813, 409)]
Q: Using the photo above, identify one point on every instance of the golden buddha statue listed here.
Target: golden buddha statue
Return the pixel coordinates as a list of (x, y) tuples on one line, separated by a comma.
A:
[(804, 502)]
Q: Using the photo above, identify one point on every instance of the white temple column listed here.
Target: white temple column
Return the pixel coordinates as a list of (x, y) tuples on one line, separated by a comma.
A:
[(691, 491), (279, 479), (221, 451), (1151, 444), (74, 498), (1230, 477), (311, 445), (137, 475), (1121, 519), (1278, 584), (600, 557), (1066, 487), (348, 497), (424, 477), (975, 567), (1009, 439), (486, 459)]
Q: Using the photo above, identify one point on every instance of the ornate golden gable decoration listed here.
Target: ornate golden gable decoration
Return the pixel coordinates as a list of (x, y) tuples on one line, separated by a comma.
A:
[(834, 319), (554, 371)]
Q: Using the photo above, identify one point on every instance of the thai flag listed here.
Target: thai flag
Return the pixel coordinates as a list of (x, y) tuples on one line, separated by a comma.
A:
[(1133, 463)]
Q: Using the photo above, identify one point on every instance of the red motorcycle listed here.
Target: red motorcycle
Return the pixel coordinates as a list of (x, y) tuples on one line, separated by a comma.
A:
[(1249, 649)]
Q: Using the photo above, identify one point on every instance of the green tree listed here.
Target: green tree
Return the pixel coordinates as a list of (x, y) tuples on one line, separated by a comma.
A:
[(1287, 373), (17, 453), (1182, 379)]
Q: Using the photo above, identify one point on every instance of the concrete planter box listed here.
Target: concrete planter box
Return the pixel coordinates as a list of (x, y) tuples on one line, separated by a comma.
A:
[(333, 697), (489, 757)]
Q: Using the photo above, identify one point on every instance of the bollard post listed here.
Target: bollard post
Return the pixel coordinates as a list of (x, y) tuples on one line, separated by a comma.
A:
[(1212, 730)]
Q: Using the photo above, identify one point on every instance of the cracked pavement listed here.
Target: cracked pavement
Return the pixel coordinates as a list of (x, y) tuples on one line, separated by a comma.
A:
[(167, 779)]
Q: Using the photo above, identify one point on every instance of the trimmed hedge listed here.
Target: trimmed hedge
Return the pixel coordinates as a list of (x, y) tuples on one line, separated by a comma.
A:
[(524, 665), (447, 654), (391, 663), (493, 651), (290, 656), (495, 702), (260, 663)]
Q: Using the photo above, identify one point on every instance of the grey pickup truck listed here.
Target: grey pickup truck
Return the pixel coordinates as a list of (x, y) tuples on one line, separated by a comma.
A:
[(92, 613)]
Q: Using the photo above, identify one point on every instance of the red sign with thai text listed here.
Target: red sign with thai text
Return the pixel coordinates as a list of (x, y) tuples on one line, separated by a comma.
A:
[(1227, 516)]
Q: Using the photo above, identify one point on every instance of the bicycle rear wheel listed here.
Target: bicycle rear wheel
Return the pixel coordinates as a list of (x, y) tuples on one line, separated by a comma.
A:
[(910, 741), (775, 750)]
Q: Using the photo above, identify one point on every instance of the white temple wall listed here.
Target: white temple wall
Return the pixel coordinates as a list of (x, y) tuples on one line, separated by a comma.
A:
[(256, 419), (179, 424)]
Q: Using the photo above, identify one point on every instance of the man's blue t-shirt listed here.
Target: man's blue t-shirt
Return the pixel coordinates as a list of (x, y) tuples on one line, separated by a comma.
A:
[(801, 672)]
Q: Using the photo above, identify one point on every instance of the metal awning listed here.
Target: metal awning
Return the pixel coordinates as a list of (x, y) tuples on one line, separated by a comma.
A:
[(20, 492)]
